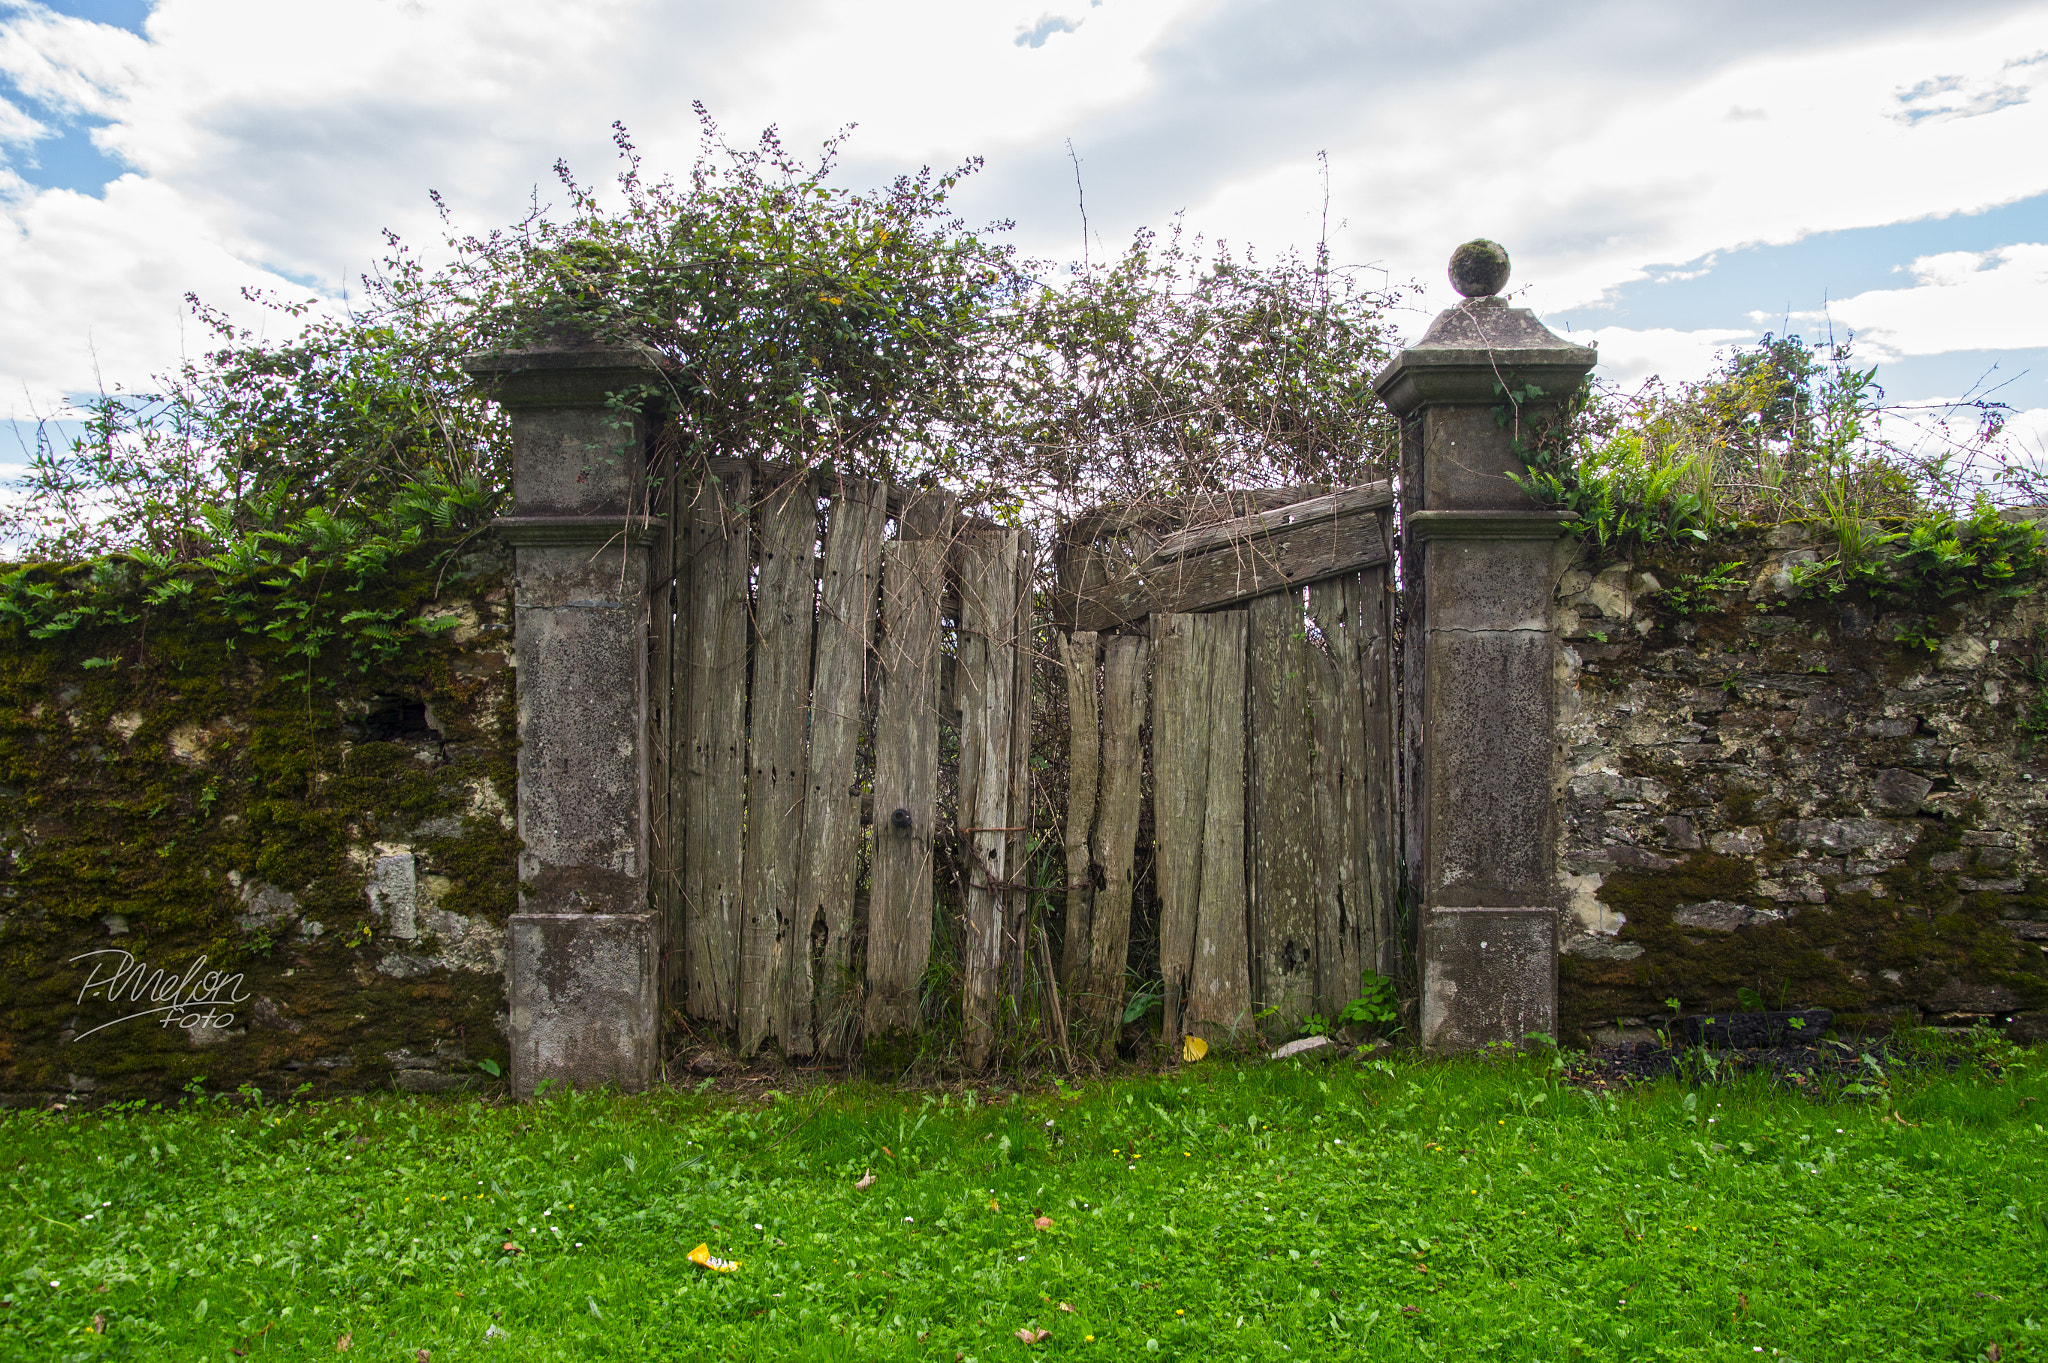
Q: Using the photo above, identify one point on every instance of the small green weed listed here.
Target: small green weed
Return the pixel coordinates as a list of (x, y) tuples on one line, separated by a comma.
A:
[(1375, 1005)]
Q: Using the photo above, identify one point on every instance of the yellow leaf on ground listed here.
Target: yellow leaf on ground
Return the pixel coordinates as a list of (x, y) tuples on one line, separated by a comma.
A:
[(704, 1258), (1193, 1048)]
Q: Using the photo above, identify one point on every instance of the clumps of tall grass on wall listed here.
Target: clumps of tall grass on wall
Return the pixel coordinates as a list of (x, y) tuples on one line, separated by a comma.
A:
[(1787, 432)]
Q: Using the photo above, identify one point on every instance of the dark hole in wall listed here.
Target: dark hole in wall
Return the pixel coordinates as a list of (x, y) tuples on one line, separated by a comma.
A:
[(394, 719)]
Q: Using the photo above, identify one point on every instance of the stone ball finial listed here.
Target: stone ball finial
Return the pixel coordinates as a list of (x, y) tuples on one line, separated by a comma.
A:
[(1479, 268)]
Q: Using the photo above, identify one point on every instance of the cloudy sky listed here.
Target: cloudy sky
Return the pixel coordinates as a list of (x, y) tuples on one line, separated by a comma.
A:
[(1671, 178)]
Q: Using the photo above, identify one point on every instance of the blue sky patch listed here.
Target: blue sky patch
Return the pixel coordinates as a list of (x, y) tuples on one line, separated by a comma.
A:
[(1719, 291), (128, 14), (68, 160)]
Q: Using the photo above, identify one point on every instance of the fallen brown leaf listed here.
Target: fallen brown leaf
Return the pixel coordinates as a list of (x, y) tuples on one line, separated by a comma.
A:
[(1043, 1223), (344, 1344), (1066, 1308), (864, 1182), (422, 1356), (512, 1248), (1031, 1336), (99, 1323), (887, 1151)]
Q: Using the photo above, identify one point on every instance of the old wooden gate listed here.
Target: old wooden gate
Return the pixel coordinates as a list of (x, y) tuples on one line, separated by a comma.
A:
[(1265, 624), (842, 735)]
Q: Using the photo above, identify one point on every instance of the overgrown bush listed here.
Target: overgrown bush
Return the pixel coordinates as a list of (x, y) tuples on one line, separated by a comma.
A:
[(793, 319)]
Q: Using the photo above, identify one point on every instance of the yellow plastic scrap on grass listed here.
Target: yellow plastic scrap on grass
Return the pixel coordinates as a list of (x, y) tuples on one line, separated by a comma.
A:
[(1193, 1048), (704, 1258)]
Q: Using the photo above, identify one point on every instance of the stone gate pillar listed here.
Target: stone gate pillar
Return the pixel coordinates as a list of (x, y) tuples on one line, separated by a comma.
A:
[(581, 977), (1479, 705)]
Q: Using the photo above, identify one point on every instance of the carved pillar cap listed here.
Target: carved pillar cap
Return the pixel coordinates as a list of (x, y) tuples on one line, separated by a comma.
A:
[(564, 376), (1475, 347)]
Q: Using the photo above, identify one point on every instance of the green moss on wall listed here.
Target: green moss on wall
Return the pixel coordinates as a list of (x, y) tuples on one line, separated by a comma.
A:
[(164, 783)]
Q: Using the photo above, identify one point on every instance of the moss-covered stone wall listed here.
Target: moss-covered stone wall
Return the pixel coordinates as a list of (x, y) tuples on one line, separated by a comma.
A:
[(1824, 798), (335, 840)]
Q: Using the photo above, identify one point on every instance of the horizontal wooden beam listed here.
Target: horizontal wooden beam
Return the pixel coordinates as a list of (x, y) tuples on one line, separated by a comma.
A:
[(1344, 501), (1282, 555)]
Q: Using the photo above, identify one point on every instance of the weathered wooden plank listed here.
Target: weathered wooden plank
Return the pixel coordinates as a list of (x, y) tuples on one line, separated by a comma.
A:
[(1180, 792), (1081, 663), (906, 783), (663, 715), (1114, 844), (1337, 703), (819, 1005), (785, 595), (1018, 852), (1382, 802), (1220, 999), (1282, 810), (1328, 507), (1287, 556), (986, 673), (1172, 514), (717, 556)]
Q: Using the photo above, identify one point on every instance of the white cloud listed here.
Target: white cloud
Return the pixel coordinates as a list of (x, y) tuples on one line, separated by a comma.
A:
[(1627, 357), (73, 65), (16, 127), (1962, 300), (271, 141)]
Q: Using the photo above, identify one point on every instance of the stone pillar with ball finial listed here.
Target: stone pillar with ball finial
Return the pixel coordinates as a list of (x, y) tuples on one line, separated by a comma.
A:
[(1479, 561)]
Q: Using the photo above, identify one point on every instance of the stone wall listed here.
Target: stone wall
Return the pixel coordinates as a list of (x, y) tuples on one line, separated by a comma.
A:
[(1824, 799), (280, 872)]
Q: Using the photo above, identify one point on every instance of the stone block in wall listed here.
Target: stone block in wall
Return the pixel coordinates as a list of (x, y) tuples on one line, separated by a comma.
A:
[(1489, 974), (583, 995), (1847, 835), (1721, 915), (1900, 791), (582, 644), (1488, 805), (1962, 996), (393, 890)]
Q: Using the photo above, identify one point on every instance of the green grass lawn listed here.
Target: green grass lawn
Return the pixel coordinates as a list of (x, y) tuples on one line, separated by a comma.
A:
[(1397, 1209)]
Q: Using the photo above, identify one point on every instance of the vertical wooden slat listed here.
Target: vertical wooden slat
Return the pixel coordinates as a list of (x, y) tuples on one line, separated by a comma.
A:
[(1115, 843), (1382, 801), (1282, 810), (823, 927), (1016, 855), (906, 779), (1180, 790), (987, 684), (784, 602), (663, 715), (1338, 702), (717, 558), (1080, 661), (1220, 1001)]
